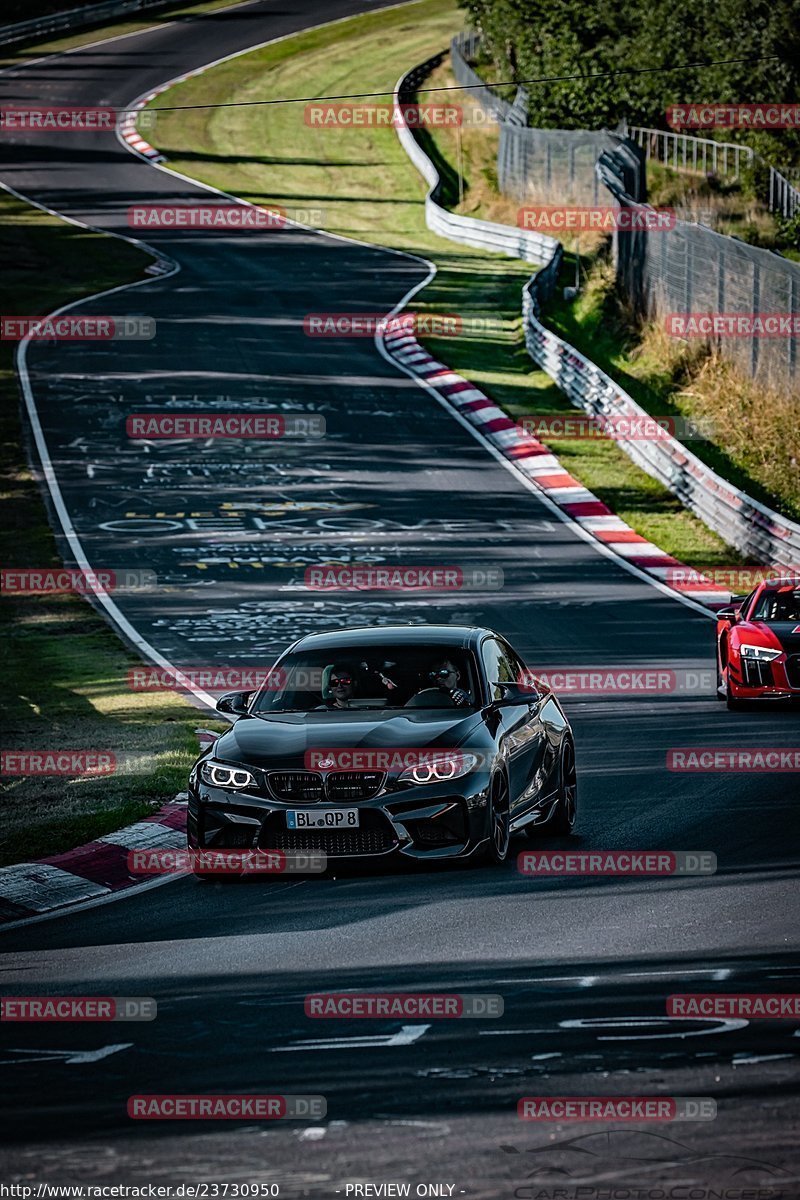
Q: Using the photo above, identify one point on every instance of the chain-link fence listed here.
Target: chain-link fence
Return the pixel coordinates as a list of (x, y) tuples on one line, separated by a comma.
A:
[(743, 522), (683, 273), (688, 269), (544, 165), (463, 47), (551, 166)]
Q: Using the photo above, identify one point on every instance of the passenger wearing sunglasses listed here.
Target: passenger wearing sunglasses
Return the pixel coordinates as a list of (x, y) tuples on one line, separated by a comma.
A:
[(340, 689)]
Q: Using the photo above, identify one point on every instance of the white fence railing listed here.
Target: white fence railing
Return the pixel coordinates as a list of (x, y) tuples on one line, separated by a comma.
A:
[(784, 197), (73, 18), (749, 526), (683, 151)]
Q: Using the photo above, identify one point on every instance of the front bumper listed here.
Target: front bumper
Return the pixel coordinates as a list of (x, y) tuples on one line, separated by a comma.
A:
[(778, 679), (423, 822)]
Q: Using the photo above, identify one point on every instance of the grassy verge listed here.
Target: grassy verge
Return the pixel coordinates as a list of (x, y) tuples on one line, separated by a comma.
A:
[(366, 187), (18, 53), (65, 672)]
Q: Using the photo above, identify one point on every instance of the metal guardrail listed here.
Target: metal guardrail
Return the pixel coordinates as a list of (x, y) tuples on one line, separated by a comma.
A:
[(73, 18), (744, 523), (749, 526), (528, 245)]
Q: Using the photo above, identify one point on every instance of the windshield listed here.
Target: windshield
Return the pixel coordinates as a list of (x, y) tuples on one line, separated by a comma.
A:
[(780, 605), (389, 676)]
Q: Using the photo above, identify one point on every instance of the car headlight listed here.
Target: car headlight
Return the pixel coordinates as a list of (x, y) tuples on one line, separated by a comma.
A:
[(439, 768), (220, 775), (760, 653)]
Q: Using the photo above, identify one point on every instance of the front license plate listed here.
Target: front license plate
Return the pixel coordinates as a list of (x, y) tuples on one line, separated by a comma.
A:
[(322, 818)]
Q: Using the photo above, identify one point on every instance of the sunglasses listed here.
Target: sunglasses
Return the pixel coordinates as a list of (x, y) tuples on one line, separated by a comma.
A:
[(336, 680), (442, 673)]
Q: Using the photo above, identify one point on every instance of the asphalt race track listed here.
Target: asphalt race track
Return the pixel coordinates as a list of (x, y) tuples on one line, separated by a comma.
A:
[(228, 529)]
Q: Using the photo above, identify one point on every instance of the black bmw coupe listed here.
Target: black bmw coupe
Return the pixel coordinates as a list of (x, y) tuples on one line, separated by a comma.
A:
[(427, 742)]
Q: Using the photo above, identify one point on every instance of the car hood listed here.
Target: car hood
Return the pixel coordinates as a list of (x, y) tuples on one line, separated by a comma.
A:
[(282, 739), (783, 634)]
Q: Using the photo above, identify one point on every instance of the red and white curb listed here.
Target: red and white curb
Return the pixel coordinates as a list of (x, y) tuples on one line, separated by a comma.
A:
[(127, 131), (89, 872), (535, 461), (126, 127)]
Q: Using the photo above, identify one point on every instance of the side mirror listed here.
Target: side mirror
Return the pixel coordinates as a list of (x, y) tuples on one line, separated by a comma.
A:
[(518, 693), (234, 702), (730, 613)]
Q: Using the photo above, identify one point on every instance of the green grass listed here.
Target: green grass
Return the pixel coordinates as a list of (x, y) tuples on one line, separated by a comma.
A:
[(65, 671), (368, 189)]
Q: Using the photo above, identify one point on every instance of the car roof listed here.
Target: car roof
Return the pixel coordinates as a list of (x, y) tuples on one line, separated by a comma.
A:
[(408, 635), (782, 585), (787, 584)]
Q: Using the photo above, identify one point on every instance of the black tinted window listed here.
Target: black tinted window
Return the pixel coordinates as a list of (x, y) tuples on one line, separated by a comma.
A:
[(781, 605), (375, 677), (500, 664)]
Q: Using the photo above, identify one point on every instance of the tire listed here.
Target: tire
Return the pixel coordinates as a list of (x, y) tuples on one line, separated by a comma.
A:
[(562, 822), (733, 704), (499, 821)]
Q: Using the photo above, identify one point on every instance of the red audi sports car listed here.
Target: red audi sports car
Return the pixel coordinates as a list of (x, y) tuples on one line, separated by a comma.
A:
[(758, 645)]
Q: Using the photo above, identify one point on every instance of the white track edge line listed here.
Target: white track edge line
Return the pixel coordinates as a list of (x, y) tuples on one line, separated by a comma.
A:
[(73, 540)]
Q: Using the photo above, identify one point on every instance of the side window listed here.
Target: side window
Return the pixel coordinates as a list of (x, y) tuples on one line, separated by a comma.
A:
[(499, 665), (745, 605), (519, 672)]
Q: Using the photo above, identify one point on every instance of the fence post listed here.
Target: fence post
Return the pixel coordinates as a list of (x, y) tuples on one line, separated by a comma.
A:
[(754, 342), (791, 342)]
